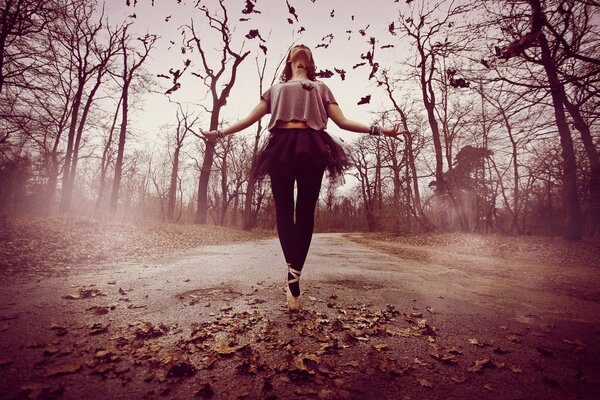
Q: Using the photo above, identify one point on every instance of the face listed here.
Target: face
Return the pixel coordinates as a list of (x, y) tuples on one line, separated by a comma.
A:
[(300, 54)]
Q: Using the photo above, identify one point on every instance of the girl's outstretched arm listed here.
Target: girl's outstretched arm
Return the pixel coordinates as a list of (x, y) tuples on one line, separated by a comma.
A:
[(335, 113), (257, 113)]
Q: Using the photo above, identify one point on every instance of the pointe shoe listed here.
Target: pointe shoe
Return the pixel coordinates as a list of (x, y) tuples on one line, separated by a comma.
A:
[(293, 301)]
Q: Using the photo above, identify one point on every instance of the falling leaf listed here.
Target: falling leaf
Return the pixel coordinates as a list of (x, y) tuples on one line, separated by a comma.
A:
[(364, 100)]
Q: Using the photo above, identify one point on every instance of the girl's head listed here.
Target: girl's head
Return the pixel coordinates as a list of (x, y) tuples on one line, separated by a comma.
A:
[(296, 53)]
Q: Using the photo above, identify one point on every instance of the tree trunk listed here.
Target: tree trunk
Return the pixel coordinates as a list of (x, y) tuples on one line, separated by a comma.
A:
[(105, 156), (172, 196), (67, 190), (593, 208), (572, 229), (249, 215), (114, 197), (82, 121)]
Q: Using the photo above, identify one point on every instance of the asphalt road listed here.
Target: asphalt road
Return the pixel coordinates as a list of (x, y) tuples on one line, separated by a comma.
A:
[(452, 327)]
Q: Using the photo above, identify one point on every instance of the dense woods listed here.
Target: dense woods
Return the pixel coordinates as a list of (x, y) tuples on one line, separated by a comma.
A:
[(501, 99)]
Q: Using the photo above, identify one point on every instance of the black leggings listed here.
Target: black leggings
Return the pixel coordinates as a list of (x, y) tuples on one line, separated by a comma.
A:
[(295, 235)]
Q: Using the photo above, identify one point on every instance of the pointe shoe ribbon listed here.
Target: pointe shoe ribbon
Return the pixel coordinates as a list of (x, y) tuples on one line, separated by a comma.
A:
[(293, 302)]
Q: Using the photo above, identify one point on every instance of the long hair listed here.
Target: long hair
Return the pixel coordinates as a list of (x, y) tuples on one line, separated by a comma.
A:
[(311, 68)]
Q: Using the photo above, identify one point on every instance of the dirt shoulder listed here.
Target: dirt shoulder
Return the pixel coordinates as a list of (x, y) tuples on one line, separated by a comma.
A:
[(50, 246), (542, 249)]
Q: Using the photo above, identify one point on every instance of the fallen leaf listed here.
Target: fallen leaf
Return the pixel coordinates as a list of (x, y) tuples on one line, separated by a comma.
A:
[(65, 369), (98, 328), (148, 330), (425, 383), (205, 391), (5, 361), (544, 351), (478, 365), (488, 387), (515, 368), (476, 342), (84, 294), (417, 360), (380, 347), (306, 391), (181, 369), (575, 342), (458, 379), (306, 362), (445, 358), (514, 338), (98, 310), (224, 348)]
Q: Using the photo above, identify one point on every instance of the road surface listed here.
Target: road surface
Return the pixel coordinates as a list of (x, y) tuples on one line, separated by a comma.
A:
[(213, 323)]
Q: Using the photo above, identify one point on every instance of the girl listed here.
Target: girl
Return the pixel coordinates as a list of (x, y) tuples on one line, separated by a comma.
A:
[(298, 151)]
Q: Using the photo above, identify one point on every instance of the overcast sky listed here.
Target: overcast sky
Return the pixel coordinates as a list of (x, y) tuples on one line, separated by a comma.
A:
[(167, 17)]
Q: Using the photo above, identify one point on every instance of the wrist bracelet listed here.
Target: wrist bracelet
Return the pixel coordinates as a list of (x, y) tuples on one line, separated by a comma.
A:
[(375, 130), (220, 134)]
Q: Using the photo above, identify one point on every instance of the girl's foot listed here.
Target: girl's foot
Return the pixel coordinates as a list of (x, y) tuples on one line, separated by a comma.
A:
[(293, 289)]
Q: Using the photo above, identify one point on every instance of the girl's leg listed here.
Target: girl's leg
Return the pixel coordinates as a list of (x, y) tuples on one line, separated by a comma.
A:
[(282, 187), (308, 179)]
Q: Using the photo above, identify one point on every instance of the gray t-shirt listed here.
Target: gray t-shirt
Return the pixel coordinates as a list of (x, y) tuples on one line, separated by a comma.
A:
[(303, 100)]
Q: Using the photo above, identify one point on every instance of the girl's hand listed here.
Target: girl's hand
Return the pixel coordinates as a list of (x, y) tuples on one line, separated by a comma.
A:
[(394, 131), (211, 136)]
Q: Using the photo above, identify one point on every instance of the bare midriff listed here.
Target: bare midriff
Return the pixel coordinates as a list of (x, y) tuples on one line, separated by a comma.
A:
[(291, 125)]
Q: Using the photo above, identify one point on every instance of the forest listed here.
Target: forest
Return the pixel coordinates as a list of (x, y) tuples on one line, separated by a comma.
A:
[(503, 115)]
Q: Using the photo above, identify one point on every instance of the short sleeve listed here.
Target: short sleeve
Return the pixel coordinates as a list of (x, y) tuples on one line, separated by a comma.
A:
[(327, 96), (266, 96)]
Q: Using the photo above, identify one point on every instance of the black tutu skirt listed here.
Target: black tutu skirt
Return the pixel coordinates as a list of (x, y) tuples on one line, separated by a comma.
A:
[(286, 148)]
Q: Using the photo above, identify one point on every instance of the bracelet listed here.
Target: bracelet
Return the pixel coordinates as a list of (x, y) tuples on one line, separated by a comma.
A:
[(375, 130), (220, 134)]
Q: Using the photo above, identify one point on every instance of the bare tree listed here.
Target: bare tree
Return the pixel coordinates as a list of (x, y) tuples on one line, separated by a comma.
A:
[(409, 150), (185, 123), (219, 91), (19, 20), (130, 67)]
